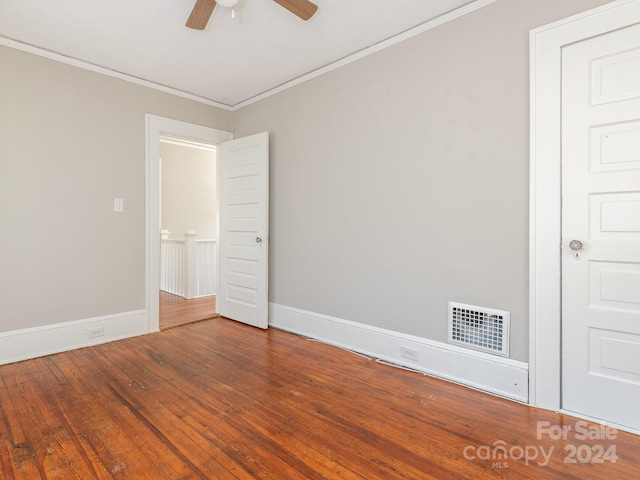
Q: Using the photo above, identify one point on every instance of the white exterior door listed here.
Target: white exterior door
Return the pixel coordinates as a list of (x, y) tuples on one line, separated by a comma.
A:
[(601, 213), (243, 186)]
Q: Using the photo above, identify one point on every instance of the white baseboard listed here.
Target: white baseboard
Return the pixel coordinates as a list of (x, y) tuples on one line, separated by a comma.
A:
[(18, 345), (501, 376)]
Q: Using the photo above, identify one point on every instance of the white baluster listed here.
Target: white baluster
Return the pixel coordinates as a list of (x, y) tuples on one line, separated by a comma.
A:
[(190, 268)]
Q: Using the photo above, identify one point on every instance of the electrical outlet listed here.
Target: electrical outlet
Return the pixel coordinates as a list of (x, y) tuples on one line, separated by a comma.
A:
[(410, 353), (96, 332)]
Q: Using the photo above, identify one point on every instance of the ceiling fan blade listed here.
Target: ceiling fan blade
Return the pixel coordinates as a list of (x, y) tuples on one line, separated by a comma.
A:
[(302, 8), (200, 14)]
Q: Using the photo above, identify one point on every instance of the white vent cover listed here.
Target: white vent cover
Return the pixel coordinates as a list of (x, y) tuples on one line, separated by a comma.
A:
[(479, 328)]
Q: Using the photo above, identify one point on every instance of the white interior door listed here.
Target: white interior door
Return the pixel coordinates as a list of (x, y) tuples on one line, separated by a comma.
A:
[(601, 211), (243, 186)]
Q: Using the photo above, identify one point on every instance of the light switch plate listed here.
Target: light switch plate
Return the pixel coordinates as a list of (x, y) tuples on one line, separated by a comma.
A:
[(118, 205)]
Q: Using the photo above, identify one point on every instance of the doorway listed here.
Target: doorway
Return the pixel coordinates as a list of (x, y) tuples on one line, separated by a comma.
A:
[(547, 245), (157, 128), (188, 222)]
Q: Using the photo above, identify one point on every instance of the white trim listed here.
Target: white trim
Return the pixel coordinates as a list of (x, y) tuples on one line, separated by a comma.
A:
[(546, 45), (482, 371), (35, 342), (156, 128), (436, 22), (74, 62), (180, 142), (447, 17)]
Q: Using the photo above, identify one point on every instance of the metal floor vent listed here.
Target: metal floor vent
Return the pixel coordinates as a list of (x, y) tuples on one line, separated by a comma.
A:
[(479, 328)]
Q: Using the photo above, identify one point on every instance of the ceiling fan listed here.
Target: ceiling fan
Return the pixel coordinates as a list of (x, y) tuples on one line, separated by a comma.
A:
[(204, 8)]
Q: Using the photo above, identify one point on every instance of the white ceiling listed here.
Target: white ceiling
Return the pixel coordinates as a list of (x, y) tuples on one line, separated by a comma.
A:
[(230, 62)]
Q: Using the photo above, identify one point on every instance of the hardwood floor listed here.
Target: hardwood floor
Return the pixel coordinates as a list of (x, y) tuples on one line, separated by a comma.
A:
[(220, 400), (176, 311)]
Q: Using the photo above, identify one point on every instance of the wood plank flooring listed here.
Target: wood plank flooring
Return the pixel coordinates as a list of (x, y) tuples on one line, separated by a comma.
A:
[(221, 400), (176, 310)]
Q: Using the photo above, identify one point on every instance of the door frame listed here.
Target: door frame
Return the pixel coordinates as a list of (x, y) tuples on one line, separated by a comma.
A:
[(156, 127), (545, 297)]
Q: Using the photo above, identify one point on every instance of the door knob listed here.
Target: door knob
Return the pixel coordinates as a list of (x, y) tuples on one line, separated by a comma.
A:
[(575, 245), (258, 240)]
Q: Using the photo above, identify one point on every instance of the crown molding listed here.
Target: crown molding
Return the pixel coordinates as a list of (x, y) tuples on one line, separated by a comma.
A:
[(58, 57), (436, 22), (424, 27)]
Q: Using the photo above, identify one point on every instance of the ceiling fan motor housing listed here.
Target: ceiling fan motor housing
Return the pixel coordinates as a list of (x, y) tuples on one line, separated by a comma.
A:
[(227, 3)]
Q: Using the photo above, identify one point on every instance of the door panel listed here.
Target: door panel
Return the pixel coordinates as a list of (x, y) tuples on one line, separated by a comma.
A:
[(243, 176), (615, 286), (618, 357), (601, 209), (615, 77)]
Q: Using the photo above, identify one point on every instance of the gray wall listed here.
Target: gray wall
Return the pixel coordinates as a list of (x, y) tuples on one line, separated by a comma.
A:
[(400, 182), (188, 191), (70, 142)]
